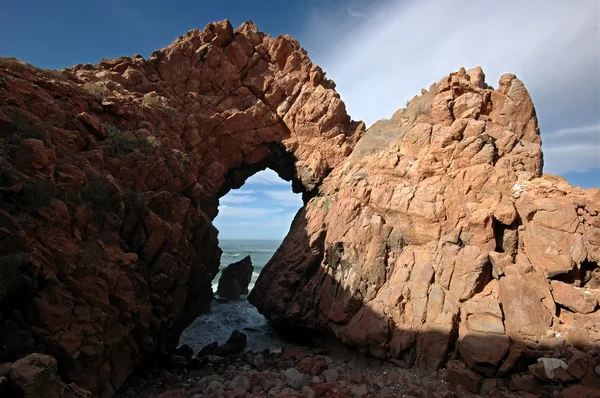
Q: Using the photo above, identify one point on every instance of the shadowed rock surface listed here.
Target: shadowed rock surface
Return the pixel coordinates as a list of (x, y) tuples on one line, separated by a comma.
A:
[(111, 176), (235, 279), (436, 231)]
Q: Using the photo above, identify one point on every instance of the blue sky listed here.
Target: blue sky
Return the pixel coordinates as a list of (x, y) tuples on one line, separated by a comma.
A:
[(263, 208), (379, 52)]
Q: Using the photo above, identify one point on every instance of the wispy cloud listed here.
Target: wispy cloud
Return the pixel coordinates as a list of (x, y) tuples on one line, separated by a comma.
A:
[(267, 177), (574, 149), (285, 197), (354, 13), (237, 198), (247, 212), (398, 47)]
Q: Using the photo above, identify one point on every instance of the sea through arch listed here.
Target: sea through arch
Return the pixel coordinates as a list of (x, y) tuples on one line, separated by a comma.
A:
[(252, 222)]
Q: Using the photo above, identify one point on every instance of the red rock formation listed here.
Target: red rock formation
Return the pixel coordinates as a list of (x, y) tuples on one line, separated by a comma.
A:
[(110, 177), (436, 230), (439, 233)]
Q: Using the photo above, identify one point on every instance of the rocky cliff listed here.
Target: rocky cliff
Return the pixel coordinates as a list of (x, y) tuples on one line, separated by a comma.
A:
[(439, 237), (110, 176), (435, 230)]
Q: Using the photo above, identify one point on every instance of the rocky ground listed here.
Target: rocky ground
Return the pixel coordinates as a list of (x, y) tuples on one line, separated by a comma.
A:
[(299, 371), (295, 372)]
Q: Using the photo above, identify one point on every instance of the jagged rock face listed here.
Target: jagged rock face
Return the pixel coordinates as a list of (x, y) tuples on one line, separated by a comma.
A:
[(110, 177), (440, 232), (435, 230)]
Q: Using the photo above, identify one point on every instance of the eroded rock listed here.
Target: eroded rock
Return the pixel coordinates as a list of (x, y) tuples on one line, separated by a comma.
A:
[(439, 232), (235, 279)]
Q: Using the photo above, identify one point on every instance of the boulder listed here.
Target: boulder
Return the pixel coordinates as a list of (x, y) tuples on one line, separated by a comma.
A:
[(576, 299), (235, 279), (36, 376), (234, 344)]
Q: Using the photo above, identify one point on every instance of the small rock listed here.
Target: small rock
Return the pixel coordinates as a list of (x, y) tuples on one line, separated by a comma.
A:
[(184, 351), (577, 365), (294, 378), (458, 374), (214, 359), (360, 391), (322, 389), (311, 366), (237, 393), (214, 386), (178, 362), (597, 370), (258, 361), (307, 392), (240, 382), (331, 375), (288, 392)]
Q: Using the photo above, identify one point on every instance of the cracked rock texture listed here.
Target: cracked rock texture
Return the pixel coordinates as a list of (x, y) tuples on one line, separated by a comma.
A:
[(435, 231), (439, 237), (110, 176)]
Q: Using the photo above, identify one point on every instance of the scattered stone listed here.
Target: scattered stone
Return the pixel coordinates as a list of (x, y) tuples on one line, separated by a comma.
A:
[(295, 379), (330, 375), (311, 366), (178, 362), (241, 382), (578, 365), (214, 386), (214, 359), (307, 392), (360, 391), (184, 351), (458, 374), (322, 389)]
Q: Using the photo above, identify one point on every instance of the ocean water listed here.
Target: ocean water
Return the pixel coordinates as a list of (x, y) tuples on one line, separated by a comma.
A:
[(225, 317)]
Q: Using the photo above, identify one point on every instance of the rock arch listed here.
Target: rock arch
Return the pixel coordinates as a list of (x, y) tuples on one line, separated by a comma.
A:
[(135, 154), (438, 219)]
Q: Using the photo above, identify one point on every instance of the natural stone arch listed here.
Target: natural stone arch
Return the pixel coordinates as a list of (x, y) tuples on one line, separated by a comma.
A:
[(161, 140)]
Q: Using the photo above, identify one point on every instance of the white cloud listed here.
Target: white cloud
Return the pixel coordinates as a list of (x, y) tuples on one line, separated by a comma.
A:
[(237, 198), (572, 149), (267, 177), (240, 192), (354, 13), (285, 197), (247, 212), (398, 47)]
